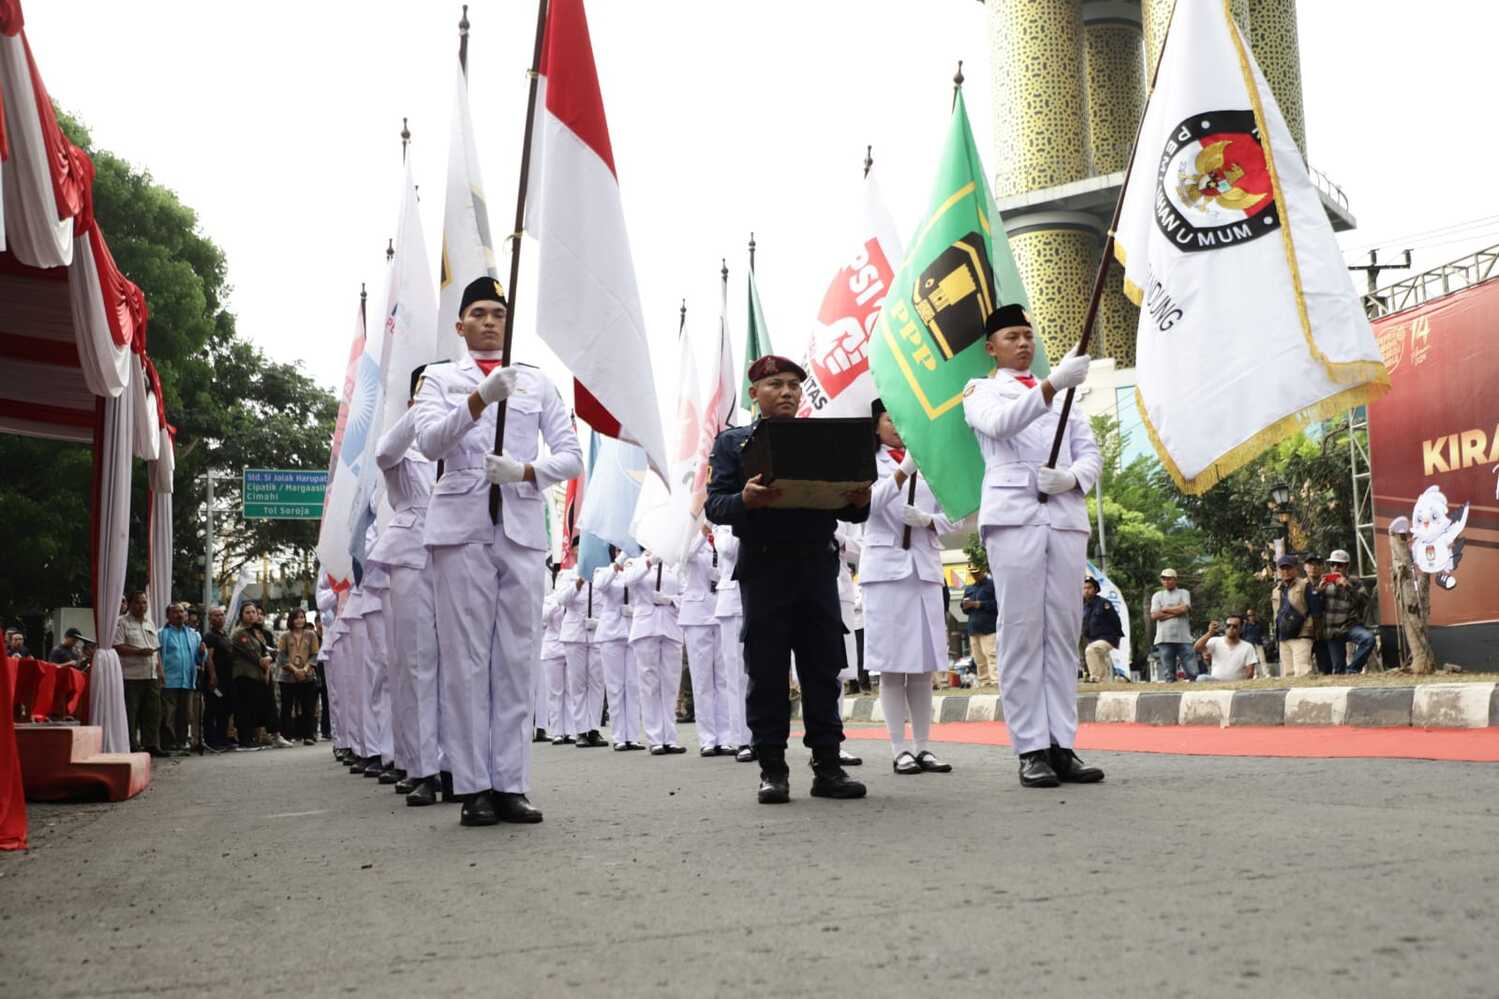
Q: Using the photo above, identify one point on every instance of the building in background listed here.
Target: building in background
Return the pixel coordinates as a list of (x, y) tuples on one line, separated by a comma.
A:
[(1069, 79)]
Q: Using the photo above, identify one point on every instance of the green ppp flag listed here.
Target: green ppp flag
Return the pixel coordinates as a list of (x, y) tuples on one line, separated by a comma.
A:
[(929, 341), (756, 339)]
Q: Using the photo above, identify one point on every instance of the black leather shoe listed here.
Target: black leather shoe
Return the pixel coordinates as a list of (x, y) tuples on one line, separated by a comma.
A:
[(357, 765), (775, 789), (708, 751), (594, 739), (361, 764), (406, 785), (1071, 770), (832, 782), (424, 792), (658, 750), (746, 754), (927, 760), (634, 747), (849, 759), (672, 749), (906, 764), (392, 775), (1036, 771), (515, 808), (375, 769), (479, 810), (540, 736), (723, 750), (621, 747), (563, 740)]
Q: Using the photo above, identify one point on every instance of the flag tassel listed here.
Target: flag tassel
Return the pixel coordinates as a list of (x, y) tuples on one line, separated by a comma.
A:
[(1107, 256), (515, 241)]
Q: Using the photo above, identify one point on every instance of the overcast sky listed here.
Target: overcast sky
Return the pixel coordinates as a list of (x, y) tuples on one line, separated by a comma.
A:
[(279, 124)]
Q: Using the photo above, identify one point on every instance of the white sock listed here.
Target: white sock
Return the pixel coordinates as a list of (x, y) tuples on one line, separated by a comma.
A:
[(919, 698), (893, 703)]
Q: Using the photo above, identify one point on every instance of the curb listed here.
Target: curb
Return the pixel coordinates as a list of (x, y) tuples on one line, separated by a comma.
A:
[(1432, 705)]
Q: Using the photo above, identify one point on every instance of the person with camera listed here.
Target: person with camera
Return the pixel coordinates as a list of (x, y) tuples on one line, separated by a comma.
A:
[(1227, 654)]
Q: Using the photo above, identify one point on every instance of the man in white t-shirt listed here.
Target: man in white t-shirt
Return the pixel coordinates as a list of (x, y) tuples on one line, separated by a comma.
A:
[(1230, 657)]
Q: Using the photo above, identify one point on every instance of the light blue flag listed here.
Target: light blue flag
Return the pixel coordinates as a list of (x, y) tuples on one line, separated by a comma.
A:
[(609, 501)]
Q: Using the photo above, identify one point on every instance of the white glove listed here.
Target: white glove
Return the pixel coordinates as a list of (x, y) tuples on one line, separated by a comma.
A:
[(1055, 480), (593, 624), (502, 470), (663, 599), (500, 384), (1070, 372), (912, 517), (908, 464)]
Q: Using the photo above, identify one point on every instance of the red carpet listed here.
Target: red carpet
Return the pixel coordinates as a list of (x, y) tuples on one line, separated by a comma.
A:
[(1480, 745)]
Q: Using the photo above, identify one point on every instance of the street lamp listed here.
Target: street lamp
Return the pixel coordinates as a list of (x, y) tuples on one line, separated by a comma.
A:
[(1280, 505), (1280, 495)]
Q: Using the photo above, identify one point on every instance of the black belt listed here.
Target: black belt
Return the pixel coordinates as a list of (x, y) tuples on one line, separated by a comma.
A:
[(788, 549)]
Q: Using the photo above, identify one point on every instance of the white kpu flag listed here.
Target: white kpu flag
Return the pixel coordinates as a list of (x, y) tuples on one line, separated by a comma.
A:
[(837, 354), (467, 247), (588, 305), (1249, 323), (668, 514)]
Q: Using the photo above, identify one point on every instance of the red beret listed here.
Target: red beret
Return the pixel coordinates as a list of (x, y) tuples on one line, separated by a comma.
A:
[(774, 364)]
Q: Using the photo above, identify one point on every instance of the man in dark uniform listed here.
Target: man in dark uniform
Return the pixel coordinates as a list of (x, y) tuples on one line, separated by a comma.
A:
[(788, 581)]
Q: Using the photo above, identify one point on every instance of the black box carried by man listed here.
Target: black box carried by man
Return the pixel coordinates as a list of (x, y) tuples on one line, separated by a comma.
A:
[(812, 462)]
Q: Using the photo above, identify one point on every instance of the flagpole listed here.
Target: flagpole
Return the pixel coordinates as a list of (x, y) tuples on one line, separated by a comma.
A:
[(682, 323), (463, 42), (515, 241), (957, 83), (1101, 277), (752, 251), (868, 160)]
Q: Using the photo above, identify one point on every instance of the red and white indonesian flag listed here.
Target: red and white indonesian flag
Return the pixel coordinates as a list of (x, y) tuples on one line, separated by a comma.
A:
[(668, 514), (588, 306), (1249, 323), (837, 355), (467, 247)]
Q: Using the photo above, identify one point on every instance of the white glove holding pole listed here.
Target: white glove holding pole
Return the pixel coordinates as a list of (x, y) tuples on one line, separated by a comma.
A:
[(503, 470), (499, 385), (1070, 372), (1055, 480), (912, 517), (908, 465)]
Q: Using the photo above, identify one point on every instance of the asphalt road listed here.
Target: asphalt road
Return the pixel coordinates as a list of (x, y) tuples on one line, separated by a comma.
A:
[(278, 872)]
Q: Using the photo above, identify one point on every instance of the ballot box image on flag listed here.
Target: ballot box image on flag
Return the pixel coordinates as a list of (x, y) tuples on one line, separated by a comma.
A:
[(812, 462), (954, 296)]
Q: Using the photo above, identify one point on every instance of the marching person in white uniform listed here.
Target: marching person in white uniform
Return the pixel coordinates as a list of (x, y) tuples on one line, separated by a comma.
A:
[(585, 673), (380, 685), (1037, 550), (656, 641), (611, 652), (730, 615), (905, 624), (336, 645), (489, 572), (850, 543), (365, 729), (711, 686), (410, 610), (553, 661)]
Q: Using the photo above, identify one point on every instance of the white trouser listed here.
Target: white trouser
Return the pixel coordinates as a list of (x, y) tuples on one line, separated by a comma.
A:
[(356, 687), (907, 696), (711, 689), (488, 631), (659, 661), (539, 696), (622, 685), (585, 688), (333, 669), (732, 653), (1036, 571), (555, 676), (377, 668), (411, 637)]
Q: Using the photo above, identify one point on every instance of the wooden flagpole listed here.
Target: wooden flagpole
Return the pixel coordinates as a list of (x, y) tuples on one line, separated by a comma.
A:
[(1101, 277), (515, 242)]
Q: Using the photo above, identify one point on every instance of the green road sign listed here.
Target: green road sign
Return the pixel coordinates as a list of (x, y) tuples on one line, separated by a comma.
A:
[(283, 494)]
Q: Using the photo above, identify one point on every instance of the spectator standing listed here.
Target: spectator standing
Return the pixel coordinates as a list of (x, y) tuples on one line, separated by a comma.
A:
[(251, 676), (182, 652), (1293, 621), (1345, 609), (1253, 632), (136, 642), (270, 718), (1229, 656), (15, 643), (296, 651), (218, 683), (983, 613), (1316, 605), (1171, 609), (70, 652), (1102, 632)]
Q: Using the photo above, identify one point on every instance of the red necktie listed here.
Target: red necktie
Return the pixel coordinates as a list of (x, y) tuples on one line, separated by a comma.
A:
[(899, 454), (1029, 381), (486, 365)]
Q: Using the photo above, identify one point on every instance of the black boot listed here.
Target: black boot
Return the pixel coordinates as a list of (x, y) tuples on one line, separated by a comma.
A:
[(511, 807), (828, 777), (424, 792), (775, 778), (1036, 771), (1070, 769), (479, 810)]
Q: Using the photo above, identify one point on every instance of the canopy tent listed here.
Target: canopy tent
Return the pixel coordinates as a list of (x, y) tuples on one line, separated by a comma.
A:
[(73, 342)]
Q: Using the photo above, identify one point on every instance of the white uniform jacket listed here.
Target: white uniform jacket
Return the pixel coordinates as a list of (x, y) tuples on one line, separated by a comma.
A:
[(883, 559), (697, 605), (608, 605), (727, 604), (1015, 427), (574, 604), (551, 627), (408, 487), (459, 511), (652, 619), (850, 538)]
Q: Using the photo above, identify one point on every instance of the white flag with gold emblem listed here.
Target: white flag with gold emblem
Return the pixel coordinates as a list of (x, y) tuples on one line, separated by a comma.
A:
[(467, 248), (1250, 326)]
